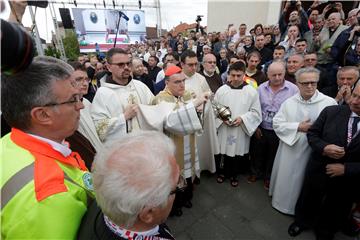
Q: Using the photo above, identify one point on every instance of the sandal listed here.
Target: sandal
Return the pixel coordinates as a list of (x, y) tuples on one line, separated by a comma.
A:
[(234, 182), (220, 179)]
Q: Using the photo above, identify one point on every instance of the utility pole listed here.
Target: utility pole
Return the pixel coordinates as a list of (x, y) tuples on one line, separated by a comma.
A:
[(35, 33), (158, 17), (58, 40)]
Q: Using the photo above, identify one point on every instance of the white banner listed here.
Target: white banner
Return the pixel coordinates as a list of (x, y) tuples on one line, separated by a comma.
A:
[(96, 28)]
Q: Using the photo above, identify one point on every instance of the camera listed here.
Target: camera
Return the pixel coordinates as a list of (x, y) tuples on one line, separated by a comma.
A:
[(198, 18), (40, 4), (293, 3), (17, 48), (357, 33)]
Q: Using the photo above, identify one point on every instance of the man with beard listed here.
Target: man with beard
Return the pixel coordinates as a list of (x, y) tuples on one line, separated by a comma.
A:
[(153, 69), (115, 105)]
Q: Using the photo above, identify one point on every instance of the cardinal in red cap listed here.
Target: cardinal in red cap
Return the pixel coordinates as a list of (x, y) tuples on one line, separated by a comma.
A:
[(171, 70)]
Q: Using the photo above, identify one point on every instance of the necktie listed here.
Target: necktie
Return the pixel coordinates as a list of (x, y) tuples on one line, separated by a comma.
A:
[(354, 126)]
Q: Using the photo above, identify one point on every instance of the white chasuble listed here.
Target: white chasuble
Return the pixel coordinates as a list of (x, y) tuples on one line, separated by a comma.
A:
[(180, 125), (294, 151), (207, 142), (109, 104), (87, 126), (243, 102)]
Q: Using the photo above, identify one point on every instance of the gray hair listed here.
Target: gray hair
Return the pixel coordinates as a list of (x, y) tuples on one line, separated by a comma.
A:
[(307, 70), (136, 60), (348, 68), (133, 173), (31, 88), (296, 54)]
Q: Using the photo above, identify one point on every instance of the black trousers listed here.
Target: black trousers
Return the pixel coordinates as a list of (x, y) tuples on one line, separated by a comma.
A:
[(262, 153), (324, 203), (186, 195), (230, 166)]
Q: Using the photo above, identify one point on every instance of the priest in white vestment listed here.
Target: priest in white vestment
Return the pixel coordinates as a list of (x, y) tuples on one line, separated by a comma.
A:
[(196, 84), (291, 124), (184, 137), (234, 137), (115, 105)]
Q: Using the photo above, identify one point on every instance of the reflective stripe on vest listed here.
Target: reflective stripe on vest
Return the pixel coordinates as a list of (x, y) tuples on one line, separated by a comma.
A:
[(16, 183), (23, 177)]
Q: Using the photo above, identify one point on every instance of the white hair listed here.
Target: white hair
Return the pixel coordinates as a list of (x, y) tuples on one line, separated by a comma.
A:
[(307, 70), (133, 173)]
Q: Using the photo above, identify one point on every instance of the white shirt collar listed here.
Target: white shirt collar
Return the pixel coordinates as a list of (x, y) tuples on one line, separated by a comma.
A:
[(354, 115), (62, 148), (207, 75)]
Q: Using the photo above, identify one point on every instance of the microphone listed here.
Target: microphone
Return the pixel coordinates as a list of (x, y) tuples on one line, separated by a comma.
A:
[(124, 16)]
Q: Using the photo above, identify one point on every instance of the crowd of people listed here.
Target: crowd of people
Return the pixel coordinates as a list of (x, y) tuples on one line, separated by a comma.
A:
[(279, 103)]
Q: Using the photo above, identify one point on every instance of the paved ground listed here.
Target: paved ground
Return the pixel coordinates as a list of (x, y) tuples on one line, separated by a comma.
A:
[(222, 212)]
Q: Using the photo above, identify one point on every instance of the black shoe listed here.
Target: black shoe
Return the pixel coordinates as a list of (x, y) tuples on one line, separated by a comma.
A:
[(196, 181), (294, 229), (176, 212), (188, 204), (324, 236)]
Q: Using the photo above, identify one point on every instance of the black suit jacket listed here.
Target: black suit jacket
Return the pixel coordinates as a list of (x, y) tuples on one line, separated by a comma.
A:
[(330, 91), (331, 127)]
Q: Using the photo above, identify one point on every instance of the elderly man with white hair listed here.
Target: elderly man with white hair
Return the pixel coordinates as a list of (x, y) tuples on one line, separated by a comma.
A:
[(291, 124), (135, 180), (327, 37)]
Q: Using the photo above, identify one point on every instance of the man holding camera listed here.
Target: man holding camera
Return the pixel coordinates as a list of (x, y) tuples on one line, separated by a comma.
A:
[(296, 16)]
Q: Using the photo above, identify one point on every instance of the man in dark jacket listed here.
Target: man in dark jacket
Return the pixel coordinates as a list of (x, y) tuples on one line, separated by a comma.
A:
[(332, 177)]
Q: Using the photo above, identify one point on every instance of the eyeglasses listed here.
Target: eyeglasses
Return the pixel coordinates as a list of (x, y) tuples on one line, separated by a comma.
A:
[(313, 83), (121, 64), (181, 185), (210, 62), (75, 99)]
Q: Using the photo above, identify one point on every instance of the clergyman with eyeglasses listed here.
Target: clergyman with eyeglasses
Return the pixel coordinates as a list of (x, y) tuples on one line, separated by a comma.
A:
[(45, 187), (116, 103), (291, 123)]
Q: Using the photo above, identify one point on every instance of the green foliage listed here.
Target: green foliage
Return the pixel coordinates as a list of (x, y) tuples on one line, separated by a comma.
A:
[(71, 45), (52, 51)]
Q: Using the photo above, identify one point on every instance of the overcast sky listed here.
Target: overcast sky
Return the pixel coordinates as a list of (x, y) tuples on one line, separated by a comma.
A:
[(172, 13)]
